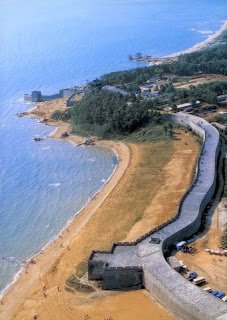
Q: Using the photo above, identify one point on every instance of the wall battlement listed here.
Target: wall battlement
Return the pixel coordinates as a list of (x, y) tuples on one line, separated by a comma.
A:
[(37, 96), (142, 263)]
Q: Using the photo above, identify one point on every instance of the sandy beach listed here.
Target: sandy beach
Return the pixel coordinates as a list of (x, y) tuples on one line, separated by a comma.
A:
[(202, 44), (26, 298), (52, 252)]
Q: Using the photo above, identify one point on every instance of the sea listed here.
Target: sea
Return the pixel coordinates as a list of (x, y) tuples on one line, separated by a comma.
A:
[(50, 45)]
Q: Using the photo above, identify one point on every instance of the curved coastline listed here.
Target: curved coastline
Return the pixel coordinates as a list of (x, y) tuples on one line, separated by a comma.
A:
[(202, 44), (123, 156), (67, 224), (120, 149)]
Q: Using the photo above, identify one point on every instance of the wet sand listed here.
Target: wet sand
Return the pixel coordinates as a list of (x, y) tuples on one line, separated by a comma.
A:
[(26, 298)]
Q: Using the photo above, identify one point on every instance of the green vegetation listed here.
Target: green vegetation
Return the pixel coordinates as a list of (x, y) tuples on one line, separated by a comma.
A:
[(151, 133), (81, 269), (56, 115), (109, 114), (55, 266), (134, 117), (206, 92), (221, 118), (74, 283), (208, 60), (224, 239)]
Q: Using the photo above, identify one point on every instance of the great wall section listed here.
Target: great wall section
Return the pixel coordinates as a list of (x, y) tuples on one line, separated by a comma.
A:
[(139, 264)]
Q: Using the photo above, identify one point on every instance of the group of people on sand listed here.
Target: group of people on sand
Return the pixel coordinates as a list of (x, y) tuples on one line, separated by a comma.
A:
[(31, 261)]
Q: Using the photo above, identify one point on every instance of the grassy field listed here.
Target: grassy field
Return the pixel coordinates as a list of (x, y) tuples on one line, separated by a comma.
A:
[(148, 133), (126, 205)]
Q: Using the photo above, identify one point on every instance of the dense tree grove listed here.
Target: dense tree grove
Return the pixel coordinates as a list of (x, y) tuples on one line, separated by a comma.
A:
[(107, 113), (209, 60), (206, 92), (112, 112)]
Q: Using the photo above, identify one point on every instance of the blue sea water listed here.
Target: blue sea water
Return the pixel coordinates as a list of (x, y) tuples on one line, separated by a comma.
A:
[(49, 45)]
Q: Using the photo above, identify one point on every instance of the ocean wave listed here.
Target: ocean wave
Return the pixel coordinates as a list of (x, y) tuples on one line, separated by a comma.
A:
[(46, 148), (205, 31), (16, 276), (55, 184)]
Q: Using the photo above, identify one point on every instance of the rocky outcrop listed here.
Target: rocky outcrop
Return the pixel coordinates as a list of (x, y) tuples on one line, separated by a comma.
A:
[(38, 139)]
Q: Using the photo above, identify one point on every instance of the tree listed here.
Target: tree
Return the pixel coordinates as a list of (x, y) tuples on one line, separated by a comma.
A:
[(171, 100), (170, 132), (174, 107), (193, 101), (56, 115)]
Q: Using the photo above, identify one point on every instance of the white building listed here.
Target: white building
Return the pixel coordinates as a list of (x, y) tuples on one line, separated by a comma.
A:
[(186, 105)]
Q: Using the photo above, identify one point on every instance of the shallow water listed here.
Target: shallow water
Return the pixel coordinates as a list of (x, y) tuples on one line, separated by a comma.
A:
[(51, 45)]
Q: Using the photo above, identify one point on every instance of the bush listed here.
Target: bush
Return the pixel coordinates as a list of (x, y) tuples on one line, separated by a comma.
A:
[(224, 239), (56, 115)]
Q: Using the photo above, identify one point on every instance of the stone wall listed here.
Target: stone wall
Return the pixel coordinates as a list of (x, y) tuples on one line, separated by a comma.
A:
[(37, 96), (125, 263), (122, 277)]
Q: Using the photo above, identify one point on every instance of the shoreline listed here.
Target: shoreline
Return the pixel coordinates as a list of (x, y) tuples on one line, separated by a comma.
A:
[(202, 44), (118, 148), (54, 238), (26, 298)]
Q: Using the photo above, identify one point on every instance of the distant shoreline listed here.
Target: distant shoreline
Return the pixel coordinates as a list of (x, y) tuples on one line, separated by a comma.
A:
[(202, 44), (96, 201)]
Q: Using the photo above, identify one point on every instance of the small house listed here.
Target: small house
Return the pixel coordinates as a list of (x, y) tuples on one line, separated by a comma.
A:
[(152, 80), (150, 94), (144, 89), (183, 106), (222, 97)]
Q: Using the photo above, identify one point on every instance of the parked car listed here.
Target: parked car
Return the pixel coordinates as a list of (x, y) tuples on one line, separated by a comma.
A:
[(220, 295)]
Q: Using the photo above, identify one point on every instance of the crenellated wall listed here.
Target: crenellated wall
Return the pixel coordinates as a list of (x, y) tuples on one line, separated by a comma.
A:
[(142, 263)]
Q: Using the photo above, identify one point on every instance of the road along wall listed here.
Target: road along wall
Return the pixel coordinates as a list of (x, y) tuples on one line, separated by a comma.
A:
[(140, 263)]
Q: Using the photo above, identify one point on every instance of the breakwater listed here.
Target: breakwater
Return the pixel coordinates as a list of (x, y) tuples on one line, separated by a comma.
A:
[(138, 264)]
